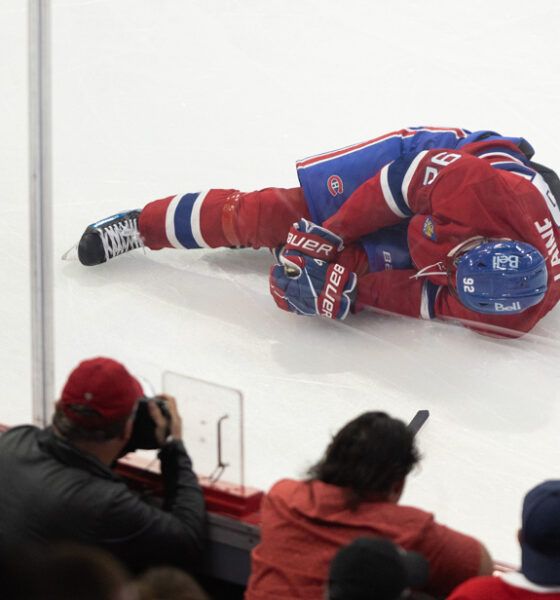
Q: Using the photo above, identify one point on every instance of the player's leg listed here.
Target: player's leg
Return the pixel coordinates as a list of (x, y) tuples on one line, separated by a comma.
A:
[(222, 218), (201, 220)]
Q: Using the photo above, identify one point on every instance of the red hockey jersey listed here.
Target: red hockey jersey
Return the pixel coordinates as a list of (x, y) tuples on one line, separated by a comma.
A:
[(450, 196)]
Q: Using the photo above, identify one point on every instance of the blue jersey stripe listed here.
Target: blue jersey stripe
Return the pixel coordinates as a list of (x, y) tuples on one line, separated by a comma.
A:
[(516, 168), (395, 177), (182, 221), (429, 294), (503, 153)]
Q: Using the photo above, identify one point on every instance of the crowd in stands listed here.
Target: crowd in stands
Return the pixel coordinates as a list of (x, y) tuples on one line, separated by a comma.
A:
[(71, 528)]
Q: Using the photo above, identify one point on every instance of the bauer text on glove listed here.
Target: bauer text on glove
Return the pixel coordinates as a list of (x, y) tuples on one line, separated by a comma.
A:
[(315, 288), (313, 240)]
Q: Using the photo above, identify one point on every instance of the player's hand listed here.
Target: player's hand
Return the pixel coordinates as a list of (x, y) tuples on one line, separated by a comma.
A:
[(310, 239), (175, 425), (309, 286)]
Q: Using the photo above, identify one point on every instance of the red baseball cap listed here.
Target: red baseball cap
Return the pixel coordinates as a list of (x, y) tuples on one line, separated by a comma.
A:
[(104, 385)]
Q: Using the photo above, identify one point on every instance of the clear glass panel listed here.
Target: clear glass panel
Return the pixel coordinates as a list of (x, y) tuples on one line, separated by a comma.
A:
[(213, 419), (152, 99), (15, 356)]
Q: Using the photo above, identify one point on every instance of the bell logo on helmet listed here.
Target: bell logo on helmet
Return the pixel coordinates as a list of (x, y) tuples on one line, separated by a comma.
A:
[(502, 262), (515, 307)]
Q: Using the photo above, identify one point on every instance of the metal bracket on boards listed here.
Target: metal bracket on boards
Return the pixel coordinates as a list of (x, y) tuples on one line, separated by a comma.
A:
[(221, 466)]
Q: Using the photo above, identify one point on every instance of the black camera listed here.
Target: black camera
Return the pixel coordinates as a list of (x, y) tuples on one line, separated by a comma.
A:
[(143, 431)]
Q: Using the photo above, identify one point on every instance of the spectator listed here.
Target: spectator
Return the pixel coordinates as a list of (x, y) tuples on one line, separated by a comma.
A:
[(168, 583), (539, 536), (58, 484), (373, 568), (63, 572), (354, 491)]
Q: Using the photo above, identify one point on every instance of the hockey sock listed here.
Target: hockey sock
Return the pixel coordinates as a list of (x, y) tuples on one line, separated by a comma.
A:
[(185, 221)]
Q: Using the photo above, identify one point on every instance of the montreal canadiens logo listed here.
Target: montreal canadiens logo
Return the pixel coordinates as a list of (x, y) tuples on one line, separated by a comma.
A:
[(334, 184)]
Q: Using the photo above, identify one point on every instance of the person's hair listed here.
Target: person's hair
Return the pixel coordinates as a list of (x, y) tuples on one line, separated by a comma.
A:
[(88, 573), (367, 457), (64, 571), (75, 432), (168, 583)]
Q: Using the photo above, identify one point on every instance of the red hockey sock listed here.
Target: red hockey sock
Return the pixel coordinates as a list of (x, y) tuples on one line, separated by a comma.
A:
[(222, 218), (151, 224), (185, 221)]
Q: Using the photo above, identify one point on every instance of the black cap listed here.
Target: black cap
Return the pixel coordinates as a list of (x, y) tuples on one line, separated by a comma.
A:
[(540, 534), (374, 568)]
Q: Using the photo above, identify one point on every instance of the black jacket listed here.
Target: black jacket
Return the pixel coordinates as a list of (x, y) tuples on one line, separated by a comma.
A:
[(52, 491)]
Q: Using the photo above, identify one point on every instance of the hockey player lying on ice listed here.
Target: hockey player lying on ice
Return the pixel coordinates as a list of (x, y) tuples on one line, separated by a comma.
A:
[(425, 222)]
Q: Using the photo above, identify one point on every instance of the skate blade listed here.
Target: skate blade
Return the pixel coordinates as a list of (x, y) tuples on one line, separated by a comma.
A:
[(71, 254)]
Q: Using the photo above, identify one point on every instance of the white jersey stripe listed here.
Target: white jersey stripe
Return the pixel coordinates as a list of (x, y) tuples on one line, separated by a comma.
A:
[(326, 156), (425, 300), (195, 220), (509, 156), (504, 162), (170, 222), (424, 311), (524, 175), (387, 194), (410, 174), (459, 133)]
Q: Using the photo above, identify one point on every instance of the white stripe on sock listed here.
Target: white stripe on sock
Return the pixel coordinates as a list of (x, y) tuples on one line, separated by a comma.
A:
[(170, 222), (195, 220)]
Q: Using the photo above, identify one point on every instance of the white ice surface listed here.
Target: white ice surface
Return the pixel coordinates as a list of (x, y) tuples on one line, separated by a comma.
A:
[(152, 98)]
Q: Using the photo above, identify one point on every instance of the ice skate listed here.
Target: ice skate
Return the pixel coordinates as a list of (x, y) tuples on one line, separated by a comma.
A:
[(109, 237)]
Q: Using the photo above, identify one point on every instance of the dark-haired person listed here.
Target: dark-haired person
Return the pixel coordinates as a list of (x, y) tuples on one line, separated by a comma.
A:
[(354, 491), (539, 537), (168, 583), (58, 483), (63, 571), (374, 568)]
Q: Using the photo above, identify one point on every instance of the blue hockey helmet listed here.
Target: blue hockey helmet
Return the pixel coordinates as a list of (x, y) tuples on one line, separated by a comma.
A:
[(501, 277)]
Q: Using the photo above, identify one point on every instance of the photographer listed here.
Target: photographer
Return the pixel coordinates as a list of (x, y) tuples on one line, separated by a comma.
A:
[(58, 483)]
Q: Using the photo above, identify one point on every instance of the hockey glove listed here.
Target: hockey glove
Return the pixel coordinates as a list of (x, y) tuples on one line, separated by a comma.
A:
[(308, 286), (277, 254), (313, 240)]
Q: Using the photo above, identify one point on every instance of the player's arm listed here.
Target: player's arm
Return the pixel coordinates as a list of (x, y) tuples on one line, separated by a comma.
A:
[(147, 534), (400, 292), (405, 186), (379, 202), (399, 191)]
